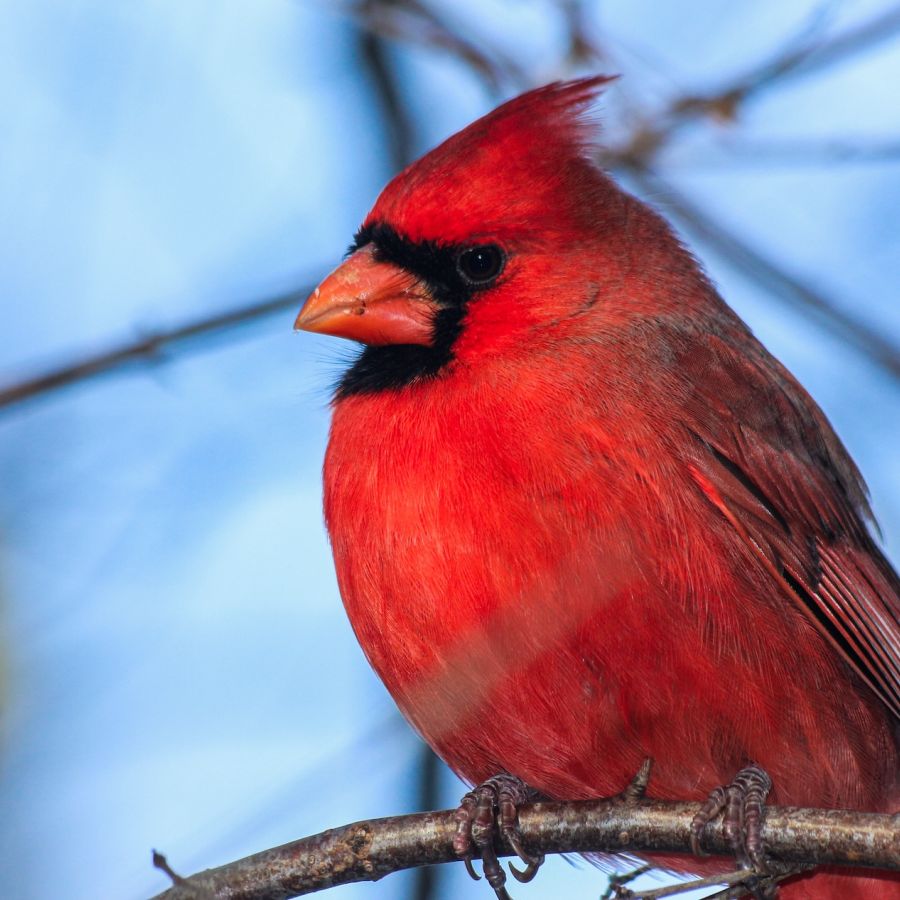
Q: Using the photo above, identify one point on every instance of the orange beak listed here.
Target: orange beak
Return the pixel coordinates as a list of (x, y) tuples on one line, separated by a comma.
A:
[(370, 301)]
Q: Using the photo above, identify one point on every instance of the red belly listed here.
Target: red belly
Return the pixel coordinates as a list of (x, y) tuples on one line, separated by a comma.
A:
[(556, 632)]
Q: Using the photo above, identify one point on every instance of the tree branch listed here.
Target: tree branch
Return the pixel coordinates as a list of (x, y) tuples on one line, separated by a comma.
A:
[(805, 57), (415, 22), (148, 348), (369, 850)]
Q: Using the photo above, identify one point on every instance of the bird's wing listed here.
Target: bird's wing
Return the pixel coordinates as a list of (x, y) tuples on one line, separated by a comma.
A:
[(765, 455)]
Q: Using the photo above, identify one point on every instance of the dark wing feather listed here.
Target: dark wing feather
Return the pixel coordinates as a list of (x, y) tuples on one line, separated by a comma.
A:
[(766, 456)]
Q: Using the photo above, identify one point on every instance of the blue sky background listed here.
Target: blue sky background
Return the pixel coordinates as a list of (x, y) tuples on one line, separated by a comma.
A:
[(179, 671)]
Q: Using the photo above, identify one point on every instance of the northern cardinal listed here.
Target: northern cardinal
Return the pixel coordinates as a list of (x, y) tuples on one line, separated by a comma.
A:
[(581, 517)]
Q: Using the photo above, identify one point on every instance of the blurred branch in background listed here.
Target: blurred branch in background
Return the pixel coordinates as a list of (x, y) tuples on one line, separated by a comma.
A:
[(582, 48), (787, 287), (414, 22), (376, 58), (723, 104), (757, 153), (155, 347), (635, 149)]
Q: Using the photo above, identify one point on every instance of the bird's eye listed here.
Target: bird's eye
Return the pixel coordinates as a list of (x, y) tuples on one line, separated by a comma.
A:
[(479, 265)]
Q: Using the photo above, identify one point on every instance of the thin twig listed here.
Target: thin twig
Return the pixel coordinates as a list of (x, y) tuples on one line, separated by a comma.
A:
[(369, 850), (147, 349), (799, 58), (723, 104), (619, 880), (816, 56), (672, 890), (737, 891)]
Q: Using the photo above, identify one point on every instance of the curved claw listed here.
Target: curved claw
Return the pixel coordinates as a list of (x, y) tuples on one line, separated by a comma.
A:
[(531, 869), (527, 858), (467, 862)]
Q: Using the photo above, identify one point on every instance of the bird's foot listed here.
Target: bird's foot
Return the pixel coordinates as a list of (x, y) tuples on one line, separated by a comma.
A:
[(494, 805), (742, 804)]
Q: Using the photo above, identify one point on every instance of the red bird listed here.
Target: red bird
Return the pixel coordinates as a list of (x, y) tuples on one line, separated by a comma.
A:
[(581, 517)]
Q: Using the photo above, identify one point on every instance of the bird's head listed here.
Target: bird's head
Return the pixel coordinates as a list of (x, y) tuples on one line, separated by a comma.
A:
[(497, 232)]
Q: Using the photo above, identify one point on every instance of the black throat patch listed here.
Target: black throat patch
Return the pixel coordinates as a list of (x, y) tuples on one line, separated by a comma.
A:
[(396, 365)]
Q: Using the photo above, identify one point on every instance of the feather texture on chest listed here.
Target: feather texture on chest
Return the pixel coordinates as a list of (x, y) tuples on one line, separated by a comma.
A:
[(455, 511)]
